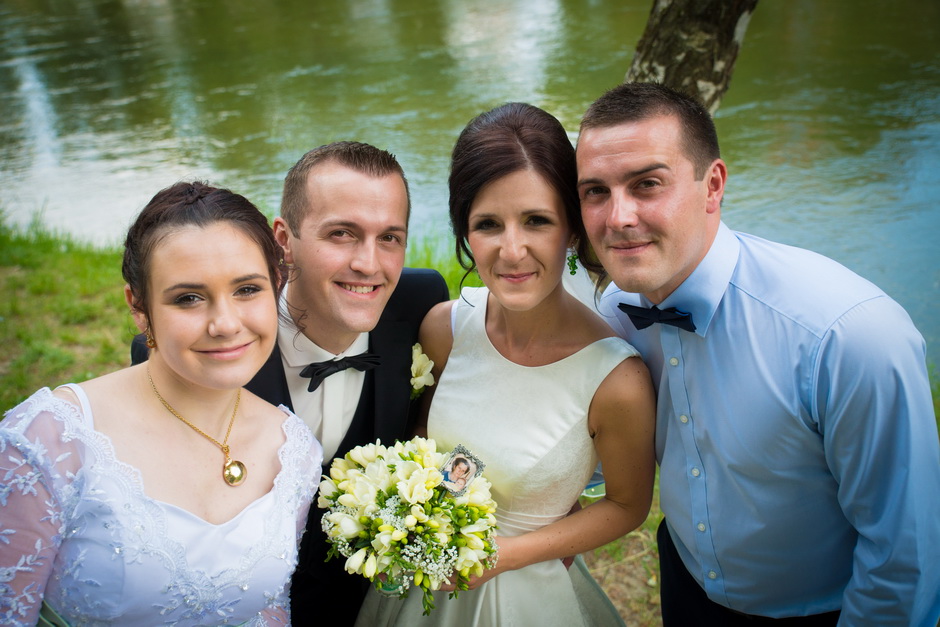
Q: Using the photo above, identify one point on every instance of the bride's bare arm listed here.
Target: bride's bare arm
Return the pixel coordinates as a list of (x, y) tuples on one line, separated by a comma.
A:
[(622, 421), (437, 338)]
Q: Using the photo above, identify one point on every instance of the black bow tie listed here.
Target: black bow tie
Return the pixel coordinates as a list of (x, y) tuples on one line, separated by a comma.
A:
[(641, 317), (320, 370)]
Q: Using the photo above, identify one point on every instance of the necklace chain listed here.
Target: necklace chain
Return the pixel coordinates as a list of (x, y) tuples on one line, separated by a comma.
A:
[(224, 443)]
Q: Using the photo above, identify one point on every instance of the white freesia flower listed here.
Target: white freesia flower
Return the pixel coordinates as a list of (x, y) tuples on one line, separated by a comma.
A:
[(418, 512), (327, 489), (339, 468), (421, 366), (354, 563), (364, 455), (405, 469), (378, 475), (369, 568), (419, 487), (345, 525), (470, 559)]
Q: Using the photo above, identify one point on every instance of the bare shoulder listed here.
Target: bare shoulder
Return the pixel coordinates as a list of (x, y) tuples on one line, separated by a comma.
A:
[(436, 335), (115, 387), (626, 392)]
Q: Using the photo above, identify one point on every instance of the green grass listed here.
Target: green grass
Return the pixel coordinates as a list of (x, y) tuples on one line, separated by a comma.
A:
[(441, 256), (63, 316)]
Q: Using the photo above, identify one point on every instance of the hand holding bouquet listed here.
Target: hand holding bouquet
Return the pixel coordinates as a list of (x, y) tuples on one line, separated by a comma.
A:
[(396, 521)]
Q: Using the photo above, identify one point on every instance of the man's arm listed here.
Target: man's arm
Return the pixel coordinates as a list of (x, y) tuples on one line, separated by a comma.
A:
[(875, 412)]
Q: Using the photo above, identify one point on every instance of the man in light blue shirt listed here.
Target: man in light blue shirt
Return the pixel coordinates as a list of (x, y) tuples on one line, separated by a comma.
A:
[(797, 443)]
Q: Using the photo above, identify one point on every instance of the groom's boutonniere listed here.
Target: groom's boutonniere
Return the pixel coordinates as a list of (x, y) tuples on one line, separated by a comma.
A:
[(421, 376)]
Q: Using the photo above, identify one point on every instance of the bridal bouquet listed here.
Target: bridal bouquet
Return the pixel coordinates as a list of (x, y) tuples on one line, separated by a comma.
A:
[(399, 521)]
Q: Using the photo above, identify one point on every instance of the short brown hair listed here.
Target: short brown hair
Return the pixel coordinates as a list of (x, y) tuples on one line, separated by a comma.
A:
[(634, 102), (357, 156)]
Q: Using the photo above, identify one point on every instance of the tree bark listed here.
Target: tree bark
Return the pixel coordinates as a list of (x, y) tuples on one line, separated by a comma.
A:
[(691, 46)]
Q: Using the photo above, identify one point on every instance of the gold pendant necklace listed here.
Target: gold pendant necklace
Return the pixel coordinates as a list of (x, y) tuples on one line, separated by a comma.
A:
[(234, 472)]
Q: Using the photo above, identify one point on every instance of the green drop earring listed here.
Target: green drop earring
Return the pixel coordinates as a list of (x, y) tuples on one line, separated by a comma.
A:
[(573, 264)]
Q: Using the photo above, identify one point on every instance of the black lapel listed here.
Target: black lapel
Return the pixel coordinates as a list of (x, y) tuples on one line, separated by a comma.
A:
[(392, 340)]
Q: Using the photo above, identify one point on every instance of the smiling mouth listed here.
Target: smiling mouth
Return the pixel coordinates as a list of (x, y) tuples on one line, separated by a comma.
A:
[(227, 352), (358, 289)]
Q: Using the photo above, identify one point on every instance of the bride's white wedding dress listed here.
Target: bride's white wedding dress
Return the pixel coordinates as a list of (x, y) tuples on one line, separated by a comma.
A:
[(75, 520), (529, 426)]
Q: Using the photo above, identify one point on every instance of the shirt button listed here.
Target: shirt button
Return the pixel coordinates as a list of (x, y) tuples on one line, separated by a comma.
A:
[(712, 574), (673, 361), (696, 472), (700, 526), (683, 419)]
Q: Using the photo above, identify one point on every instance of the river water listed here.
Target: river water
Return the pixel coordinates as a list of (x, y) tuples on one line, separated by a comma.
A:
[(831, 128)]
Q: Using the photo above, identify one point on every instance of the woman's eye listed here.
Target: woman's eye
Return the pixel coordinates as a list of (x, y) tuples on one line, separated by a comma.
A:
[(186, 299), (539, 220), (484, 225), (248, 290)]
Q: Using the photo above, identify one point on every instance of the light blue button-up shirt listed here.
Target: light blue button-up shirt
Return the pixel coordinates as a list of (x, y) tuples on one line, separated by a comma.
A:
[(798, 450)]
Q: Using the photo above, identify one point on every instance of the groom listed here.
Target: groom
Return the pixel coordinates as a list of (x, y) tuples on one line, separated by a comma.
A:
[(343, 227)]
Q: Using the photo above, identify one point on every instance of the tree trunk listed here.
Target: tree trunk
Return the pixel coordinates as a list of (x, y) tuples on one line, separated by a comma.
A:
[(691, 46)]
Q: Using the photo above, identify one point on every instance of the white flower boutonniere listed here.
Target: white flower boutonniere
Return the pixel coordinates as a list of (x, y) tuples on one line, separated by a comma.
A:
[(421, 376)]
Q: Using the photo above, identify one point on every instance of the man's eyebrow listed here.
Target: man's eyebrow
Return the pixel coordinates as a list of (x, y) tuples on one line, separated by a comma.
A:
[(349, 224), (626, 175)]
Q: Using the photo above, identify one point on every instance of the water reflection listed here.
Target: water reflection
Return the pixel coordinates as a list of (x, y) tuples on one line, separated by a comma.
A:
[(831, 128)]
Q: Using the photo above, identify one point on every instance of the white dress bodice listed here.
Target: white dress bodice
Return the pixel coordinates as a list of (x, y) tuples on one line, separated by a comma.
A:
[(78, 531)]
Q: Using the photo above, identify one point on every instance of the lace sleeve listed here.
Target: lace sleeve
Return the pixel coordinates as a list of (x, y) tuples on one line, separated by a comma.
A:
[(32, 462)]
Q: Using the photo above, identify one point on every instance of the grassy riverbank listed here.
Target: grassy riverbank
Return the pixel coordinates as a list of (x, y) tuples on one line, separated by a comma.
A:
[(63, 318)]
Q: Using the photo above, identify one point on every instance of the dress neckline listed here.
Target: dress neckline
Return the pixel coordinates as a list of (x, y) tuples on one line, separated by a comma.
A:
[(133, 473), (551, 364)]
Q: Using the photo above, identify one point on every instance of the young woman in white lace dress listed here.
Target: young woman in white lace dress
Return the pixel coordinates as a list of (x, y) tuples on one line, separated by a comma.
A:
[(532, 382), (164, 493)]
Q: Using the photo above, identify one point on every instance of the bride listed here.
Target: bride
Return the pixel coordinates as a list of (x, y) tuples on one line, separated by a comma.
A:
[(532, 382), (164, 493)]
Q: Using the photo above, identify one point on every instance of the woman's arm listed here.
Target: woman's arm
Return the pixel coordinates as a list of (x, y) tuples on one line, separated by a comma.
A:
[(437, 338), (622, 421), (32, 519)]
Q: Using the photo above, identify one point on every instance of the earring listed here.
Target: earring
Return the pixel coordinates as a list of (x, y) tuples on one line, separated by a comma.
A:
[(573, 263), (151, 343)]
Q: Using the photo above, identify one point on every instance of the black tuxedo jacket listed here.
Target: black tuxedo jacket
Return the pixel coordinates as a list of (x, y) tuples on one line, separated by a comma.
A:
[(384, 412)]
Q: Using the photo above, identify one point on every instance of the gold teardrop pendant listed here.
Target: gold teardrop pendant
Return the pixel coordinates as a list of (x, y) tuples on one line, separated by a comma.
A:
[(234, 472)]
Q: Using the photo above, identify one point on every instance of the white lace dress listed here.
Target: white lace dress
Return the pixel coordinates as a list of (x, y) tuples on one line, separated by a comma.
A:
[(77, 531), (529, 426)]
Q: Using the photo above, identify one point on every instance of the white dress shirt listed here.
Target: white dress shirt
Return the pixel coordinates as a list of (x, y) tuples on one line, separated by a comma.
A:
[(329, 409)]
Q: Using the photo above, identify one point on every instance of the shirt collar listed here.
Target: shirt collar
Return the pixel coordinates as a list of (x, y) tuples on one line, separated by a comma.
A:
[(298, 350), (701, 293)]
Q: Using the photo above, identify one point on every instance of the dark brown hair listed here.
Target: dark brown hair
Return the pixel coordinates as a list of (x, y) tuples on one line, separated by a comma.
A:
[(357, 156), (192, 204), (512, 137), (634, 102)]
